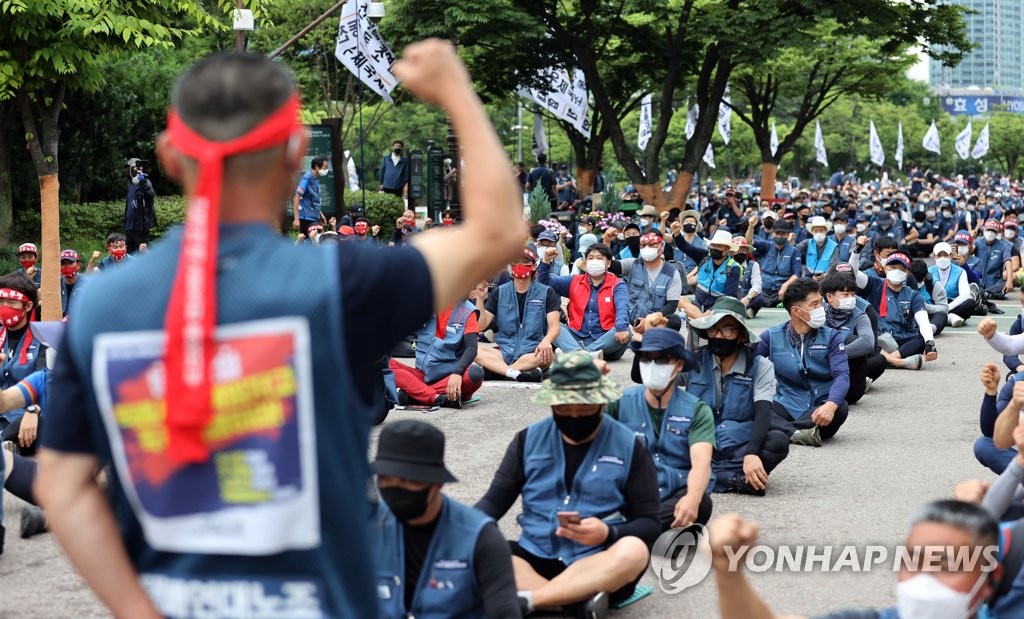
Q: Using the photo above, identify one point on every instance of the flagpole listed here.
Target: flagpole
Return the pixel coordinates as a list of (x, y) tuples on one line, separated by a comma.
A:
[(301, 33)]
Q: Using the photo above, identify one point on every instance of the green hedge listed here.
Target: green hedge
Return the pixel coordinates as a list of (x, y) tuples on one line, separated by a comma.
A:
[(381, 208)]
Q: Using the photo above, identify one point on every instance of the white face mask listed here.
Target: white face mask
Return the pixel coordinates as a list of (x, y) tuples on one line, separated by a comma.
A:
[(990, 235), (861, 227), (896, 276), (963, 250), (847, 304), (942, 263), (819, 237), (1011, 233), (596, 267), (930, 214), (816, 318), (840, 228), (648, 254), (645, 222), (925, 597), (656, 377)]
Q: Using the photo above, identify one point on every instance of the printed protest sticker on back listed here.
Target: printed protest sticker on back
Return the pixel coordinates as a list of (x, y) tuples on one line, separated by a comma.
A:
[(258, 493)]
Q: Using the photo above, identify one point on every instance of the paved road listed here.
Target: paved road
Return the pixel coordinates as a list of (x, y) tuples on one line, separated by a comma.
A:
[(907, 442)]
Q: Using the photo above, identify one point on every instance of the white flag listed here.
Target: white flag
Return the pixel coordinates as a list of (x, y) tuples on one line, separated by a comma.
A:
[(877, 156), (981, 146), (819, 145), (691, 120), (540, 140), (963, 142), (899, 145), (646, 124), (363, 52), (931, 139), (774, 143), (709, 156), (725, 116), (566, 98)]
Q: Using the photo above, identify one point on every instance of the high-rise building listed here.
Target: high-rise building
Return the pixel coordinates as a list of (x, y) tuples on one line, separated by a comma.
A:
[(997, 29)]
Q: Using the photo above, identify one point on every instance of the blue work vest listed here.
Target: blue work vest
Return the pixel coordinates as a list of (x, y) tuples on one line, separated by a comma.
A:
[(804, 379), (27, 357), (598, 489), (447, 587), (436, 357), (519, 335), (845, 247), (953, 283), (777, 267), (642, 299), (734, 411), (990, 261), (899, 321), (333, 574), (689, 263), (309, 200), (65, 300), (746, 274), (815, 263), (711, 280), (671, 447)]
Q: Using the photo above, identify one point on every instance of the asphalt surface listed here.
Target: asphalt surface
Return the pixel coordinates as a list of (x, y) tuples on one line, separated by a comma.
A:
[(907, 442)]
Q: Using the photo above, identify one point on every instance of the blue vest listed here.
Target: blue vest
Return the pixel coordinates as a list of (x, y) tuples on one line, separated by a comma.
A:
[(990, 262), (734, 411), (803, 380), (598, 489), (436, 357), (671, 447), (711, 281), (65, 300), (332, 574), (515, 340), (746, 273), (845, 247), (819, 264), (309, 200), (953, 283), (27, 357), (447, 586), (689, 263), (642, 299), (899, 321), (777, 267)]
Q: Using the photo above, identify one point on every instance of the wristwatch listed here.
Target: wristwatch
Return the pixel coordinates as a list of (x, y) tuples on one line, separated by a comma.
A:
[(32, 409)]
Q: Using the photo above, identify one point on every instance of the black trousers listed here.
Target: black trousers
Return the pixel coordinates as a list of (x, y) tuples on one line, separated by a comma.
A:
[(668, 507), (858, 379), (134, 238), (965, 310), (783, 421)]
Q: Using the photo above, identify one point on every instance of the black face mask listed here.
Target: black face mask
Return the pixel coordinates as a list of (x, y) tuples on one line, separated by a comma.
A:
[(721, 347), (577, 428), (780, 241), (633, 243), (397, 151), (741, 258), (689, 228), (716, 254), (405, 504), (768, 224)]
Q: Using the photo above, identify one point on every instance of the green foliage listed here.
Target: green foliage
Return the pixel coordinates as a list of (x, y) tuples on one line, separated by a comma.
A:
[(91, 222), (540, 204), (381, 208)]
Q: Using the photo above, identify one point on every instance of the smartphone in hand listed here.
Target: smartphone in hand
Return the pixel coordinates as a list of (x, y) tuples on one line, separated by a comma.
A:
[(567, 518)]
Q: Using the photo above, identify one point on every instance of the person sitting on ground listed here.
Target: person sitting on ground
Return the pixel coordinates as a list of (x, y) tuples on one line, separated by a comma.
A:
[(901, 314), (654, 285), (405, 228), (921, 590), (28, 257), (689, 230), (994, 263), (21, 352), (839, 292), (677, 427), (718, 274), (820, 251), (598, 312), (590, 496), (811, 369), (750, 276), (1011, 416), (953, 279), (549, 244), (525, 317), (630, 240), (117, 253), (995, 401), (71, 281), (740, 387), (934, 293), (426, 539), (446, 347), (841, 228), (1015, 363), (780, 267)]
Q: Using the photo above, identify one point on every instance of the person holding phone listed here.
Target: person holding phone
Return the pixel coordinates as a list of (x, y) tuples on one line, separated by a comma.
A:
[(578, 464)]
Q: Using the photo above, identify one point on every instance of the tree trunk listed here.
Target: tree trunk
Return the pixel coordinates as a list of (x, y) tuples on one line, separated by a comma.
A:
[(49, 195), (6, 190), (585, 180), (681, 189), (768, 171), (652, 194)]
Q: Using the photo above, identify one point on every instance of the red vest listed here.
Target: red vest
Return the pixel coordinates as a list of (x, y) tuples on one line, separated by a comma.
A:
[(579, 297)]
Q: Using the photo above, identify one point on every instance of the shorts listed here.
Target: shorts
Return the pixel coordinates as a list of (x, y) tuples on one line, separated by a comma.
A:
[(547, 569)]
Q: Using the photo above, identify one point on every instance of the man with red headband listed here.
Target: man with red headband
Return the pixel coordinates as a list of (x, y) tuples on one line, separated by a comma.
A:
[(235, 414), (20, 352), (28, 256), (71, 281), (654, 285)]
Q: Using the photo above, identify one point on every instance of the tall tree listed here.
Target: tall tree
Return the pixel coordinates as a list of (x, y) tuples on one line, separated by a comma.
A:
[(835, 48), (60, 45)]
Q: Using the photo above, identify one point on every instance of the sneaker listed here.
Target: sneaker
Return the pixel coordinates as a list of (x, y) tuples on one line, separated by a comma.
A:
[(811, 437), (913, 362), (867, 384), (994, 309), (597, 354), (531, 376), (403, 398), (596, 607), (750, 313), (10, 446), (443, 401), (738, 484), (525, 604), (888, 343), (33, 521), (955, 320)]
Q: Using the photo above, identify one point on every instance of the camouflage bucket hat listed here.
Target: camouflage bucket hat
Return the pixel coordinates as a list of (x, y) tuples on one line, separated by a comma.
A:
[(575, 379)]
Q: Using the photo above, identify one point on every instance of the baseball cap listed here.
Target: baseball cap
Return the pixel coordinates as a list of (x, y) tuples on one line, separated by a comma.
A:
[(942, 247), (962, 237), (69, 254), (898, 258)]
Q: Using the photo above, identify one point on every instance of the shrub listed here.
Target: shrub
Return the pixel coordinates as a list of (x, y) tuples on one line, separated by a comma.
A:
[(95, 220), (381, 208), (540, 204)]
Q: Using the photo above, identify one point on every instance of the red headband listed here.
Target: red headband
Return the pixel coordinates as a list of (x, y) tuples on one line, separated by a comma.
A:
[(11, 293), (192, 310), (652, 237)]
